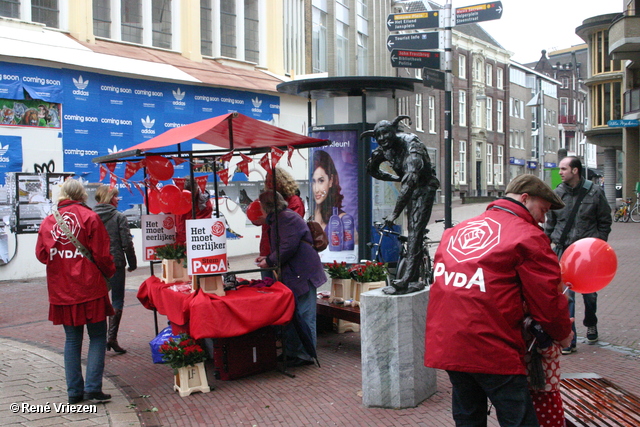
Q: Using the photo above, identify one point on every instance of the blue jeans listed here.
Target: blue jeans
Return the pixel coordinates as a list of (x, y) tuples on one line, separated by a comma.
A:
[(117, 288), (306, 307), (590, 307), (509, 394), (76, 386)]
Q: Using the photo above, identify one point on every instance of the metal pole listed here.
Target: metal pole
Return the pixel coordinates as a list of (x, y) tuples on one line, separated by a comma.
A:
[(541, 134), (448, 158)]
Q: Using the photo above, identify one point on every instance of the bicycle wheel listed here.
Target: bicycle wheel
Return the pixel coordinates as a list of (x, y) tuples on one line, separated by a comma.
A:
[(635, 214), (625, 215)]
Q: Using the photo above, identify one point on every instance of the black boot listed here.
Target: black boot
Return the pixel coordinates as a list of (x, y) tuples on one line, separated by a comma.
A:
[(112, 337)]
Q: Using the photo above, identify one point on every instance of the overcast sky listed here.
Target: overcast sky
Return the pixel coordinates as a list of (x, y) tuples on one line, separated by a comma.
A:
[(528, 26)]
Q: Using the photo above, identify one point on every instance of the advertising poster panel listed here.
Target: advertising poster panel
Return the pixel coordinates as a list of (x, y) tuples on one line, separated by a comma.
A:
[(157, 230), (333, 193), (206, 246)]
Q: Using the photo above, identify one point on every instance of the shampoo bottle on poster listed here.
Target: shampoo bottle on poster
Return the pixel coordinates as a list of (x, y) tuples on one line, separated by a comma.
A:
[(348, 232), (334, 231)]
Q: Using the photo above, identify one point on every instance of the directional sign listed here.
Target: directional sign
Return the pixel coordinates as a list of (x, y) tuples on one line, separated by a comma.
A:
[(478, 13), (433, 78), (414, 21), (623, 123), (415, 59), (417, 41)]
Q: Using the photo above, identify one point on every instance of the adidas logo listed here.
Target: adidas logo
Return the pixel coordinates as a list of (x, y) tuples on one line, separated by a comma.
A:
[(148, 124), (80, 85), (113, 150), (256, 102), (3, 150), (178, 95)]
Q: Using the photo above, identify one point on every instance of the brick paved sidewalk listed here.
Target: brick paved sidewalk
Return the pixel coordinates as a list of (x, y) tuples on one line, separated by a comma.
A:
[(327, 396)]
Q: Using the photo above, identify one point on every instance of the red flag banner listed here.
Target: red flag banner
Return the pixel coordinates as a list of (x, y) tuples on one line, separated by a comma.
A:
[(113, 181), (202, 182), (111, 166), (227, 157), (103, 172), (127, 185), (290, 150), (276, 155), (243, 165), (152, 183), (264, 162), (131, 168), (224, 175), (178, 160), (246, 158), (135, 184), (179, 182)]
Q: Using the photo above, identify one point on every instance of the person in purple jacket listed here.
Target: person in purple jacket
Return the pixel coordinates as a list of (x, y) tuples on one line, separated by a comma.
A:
[(300, 269)]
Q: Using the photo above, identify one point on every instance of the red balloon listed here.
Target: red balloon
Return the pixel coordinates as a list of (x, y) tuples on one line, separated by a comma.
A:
[(155, 207), (254, 211), (159, 167), (170, 196), (183, 205), (588, 265)]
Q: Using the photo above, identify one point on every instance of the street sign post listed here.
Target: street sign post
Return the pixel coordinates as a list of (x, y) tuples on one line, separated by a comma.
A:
[(415, 58), (433, 78), (478, 13), (414, 21), (416, 41)]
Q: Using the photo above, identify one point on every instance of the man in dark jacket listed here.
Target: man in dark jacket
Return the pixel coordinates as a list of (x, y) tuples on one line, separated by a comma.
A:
[(592, 219)]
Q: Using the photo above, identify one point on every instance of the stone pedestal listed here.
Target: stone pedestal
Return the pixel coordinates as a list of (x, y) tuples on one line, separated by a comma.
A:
[(392, 334)]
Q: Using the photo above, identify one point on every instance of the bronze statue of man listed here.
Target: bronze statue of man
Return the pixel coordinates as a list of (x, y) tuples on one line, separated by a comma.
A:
[(409, 159)]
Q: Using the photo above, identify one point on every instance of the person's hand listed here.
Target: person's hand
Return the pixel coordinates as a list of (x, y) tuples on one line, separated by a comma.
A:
[(261, 262), (130, 269), (567, 341), (389, 221)]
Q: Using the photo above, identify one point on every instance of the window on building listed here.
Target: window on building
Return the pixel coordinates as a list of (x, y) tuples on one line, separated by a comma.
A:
[(251, 31), (432, 114), (228, 41), (462, 66), (606, 104), (479, 111), (512, 138), (601, 61), (46, 12), (499, 113), (489, 162), (206, 28), (342, 49), (161, 23), (319, 40), (131, 17), (101, 18), (499, 78), (499, 166), (489, 105), (488, 75), (516, 108), (293, 36), (477, 70), (462, 108), (419, 112), (10, 8), (463, 162), (403, 106), (363, 53), (565, 82)]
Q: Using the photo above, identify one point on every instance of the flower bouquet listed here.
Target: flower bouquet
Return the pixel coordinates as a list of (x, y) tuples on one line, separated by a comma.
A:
[(174, 262), (186, 358), (341, 282), (338, 270), (368, 276)]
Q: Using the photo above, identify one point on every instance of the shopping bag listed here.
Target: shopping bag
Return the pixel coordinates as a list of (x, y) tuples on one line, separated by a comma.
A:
[(155, 344)]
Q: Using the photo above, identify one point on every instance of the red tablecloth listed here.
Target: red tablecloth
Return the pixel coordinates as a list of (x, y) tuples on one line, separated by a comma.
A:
[(211, 316)]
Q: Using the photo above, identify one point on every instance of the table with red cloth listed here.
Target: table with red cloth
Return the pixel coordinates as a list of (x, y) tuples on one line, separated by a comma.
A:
[(205, 315)]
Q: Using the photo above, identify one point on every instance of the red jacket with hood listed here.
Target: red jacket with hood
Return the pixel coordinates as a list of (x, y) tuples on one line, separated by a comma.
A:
[(484, 269), (72, 278)]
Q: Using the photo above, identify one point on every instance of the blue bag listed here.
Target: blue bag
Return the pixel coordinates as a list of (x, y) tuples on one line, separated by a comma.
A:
[(155, 343)]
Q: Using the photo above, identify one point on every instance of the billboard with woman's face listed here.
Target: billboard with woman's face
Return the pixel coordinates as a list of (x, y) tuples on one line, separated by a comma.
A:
[(333, 193)]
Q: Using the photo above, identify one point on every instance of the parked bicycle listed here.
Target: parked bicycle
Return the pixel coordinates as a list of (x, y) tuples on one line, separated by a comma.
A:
[(397, 268), (634, 213), (623, 212)]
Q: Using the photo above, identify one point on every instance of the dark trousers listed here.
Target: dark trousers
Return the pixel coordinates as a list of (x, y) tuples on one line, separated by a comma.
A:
[(590, 308), (509, 394)]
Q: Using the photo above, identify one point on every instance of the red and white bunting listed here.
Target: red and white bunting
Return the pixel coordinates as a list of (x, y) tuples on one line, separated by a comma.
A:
[(224, 175), (290, 151), (178, 160), (111, 166), (227, 157), (127, 185), (137, 185), (103, 172), (113, 182), (152, 183), (276, 155), (202, 182), (179, 182), (243, 165), (131, 168), (246, 158), (264, 162)]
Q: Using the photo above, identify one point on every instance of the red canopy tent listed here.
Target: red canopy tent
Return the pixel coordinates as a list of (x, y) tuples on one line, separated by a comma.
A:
[(233, 131)]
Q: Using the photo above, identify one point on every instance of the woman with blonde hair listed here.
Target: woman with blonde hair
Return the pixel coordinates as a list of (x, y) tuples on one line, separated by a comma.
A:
[(78, 293), (122, 251)]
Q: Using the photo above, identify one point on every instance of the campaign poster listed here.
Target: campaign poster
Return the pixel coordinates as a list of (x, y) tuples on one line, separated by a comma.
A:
[(157, 231), (206, 246), (333, 193)]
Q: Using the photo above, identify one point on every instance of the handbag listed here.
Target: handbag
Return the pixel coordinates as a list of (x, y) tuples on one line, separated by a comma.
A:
[(79, 246), (319, 237)]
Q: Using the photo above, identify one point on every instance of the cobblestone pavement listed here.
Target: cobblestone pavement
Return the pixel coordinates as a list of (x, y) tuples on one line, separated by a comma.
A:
[(32, 373)]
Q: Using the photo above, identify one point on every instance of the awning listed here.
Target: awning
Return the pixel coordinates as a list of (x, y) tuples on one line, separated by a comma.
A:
[(233, 131)]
